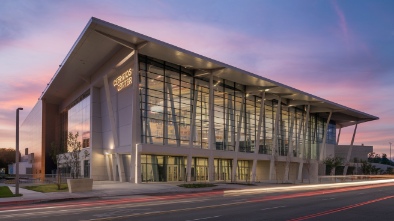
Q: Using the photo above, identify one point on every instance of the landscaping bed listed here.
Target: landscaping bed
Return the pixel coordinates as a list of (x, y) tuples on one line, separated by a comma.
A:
[(6, 192), (48, 188)]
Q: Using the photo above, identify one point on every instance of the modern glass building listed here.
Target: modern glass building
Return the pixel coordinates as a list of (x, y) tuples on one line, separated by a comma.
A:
[(149, 111)]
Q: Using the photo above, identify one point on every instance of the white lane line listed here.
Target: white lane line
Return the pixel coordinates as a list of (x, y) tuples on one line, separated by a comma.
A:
[(277, 207), (210, 217)]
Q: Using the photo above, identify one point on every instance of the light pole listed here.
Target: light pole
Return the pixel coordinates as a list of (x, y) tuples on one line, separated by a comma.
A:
[(17, 152), (390, 151)]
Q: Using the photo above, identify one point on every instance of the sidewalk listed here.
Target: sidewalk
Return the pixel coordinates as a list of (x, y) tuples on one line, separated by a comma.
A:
[(103, 189)]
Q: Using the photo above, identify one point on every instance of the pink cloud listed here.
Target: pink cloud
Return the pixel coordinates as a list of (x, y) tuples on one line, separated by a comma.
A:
[(342, 21)]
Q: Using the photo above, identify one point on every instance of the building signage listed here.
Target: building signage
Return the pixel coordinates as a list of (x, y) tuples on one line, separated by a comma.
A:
[(123, 80)]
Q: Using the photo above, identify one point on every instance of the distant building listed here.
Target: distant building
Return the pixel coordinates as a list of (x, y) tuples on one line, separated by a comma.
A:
[(149, 111), (359, 152), (25, 165)]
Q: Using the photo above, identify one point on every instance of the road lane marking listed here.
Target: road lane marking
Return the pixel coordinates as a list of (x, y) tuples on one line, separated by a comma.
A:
[(327, 212), (277, 207), (210, 217), (329, 199)]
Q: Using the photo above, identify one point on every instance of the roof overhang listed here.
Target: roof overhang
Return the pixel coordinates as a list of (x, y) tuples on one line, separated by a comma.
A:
[(100, 40)]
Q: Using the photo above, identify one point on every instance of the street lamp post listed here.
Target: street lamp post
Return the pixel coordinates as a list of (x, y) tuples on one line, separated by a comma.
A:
[(17, 152), (390, 151)]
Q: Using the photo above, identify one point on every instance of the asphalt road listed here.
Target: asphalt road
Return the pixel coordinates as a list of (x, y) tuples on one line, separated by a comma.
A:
[(370, 202)]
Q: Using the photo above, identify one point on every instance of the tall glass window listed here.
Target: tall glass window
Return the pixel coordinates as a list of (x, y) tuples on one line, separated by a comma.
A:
[(78, 120), (223, 169), (199, 169), (163, 168), (243, 170)]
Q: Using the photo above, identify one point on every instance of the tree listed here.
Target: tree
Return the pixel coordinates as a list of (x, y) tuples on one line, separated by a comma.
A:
[(73, 157), (384, 159), (7, 156), (368, 169), (332, 163), (57, 152)]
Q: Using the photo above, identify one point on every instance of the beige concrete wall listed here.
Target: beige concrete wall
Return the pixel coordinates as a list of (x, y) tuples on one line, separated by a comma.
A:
[(98, 170), (262, 170)]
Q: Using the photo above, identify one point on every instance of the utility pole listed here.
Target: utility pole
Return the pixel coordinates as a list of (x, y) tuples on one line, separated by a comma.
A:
[(17, 152)]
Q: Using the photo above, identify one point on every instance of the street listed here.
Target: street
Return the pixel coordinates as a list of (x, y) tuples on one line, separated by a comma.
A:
[(367, 202)]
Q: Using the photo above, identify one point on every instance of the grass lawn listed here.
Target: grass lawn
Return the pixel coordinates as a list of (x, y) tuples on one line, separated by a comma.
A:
[(6, 192), (48, 188), (197, 185)]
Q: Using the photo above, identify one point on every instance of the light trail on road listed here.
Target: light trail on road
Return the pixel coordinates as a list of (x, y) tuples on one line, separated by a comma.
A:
[(306, 187), (109, 209), (266, 198), (340, 209)]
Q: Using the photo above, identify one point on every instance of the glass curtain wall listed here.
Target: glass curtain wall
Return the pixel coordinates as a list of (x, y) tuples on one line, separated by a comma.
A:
[(175, 111), (78, 120)]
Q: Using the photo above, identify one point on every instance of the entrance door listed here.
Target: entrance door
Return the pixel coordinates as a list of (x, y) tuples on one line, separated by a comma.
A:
[(202, 174), (173, 173)]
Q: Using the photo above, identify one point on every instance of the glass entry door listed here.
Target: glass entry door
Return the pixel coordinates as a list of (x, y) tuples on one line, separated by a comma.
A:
[(173, 173)]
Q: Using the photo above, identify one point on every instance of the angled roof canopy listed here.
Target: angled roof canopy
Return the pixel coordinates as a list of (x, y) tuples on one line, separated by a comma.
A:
[(100, 40)]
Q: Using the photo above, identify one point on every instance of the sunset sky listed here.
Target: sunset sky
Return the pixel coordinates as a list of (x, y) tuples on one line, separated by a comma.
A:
[(340, 50)]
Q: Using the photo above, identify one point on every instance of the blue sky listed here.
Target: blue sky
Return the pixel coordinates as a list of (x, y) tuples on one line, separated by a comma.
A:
[(339, 50)]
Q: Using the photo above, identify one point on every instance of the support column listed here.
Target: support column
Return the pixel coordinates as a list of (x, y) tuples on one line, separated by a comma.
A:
[(137, 164), (290, 150), (119, 161), (298, 147), (173, 114), (274, 154), (114, 166), (339, 134), (323, 146), (109, 168), (211, 131), (349, 153), (257, 143), (194, 112), (211, 116), (135, 119), (303, 143), (239, 126)]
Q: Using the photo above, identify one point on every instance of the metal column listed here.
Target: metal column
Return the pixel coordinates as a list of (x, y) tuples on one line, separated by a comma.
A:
[(349, 153)]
